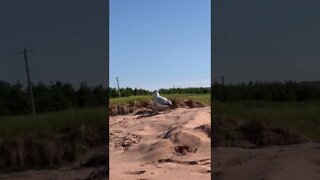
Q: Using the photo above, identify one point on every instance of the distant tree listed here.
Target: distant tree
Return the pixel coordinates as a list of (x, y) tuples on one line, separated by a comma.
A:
[(100, 95), (85, 97)]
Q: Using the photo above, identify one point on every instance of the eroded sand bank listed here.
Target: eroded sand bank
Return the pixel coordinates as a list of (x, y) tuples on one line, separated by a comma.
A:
[(174, 144)]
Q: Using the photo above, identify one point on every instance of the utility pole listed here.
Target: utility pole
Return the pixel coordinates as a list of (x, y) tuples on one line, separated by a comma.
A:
[(118, 87), (222, 80), (29, 83)]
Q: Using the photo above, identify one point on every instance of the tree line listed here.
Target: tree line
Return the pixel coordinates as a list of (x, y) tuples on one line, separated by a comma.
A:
[(14, 99), (267, 91), (126, 92)]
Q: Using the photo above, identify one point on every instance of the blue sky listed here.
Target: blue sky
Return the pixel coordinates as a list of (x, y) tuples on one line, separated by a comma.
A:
[(66, 39), (266, 40), (159, 43)]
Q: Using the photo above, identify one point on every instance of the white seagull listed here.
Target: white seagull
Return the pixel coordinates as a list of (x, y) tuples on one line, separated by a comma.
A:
[(160, 101)]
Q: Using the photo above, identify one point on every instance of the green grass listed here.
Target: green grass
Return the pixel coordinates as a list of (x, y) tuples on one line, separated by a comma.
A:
[(52, 123), (203, 98), (301, 116)]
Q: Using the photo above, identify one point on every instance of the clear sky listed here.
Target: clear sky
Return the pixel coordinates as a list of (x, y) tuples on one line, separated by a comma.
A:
[(69, 39), (266, 40), (160, 43)]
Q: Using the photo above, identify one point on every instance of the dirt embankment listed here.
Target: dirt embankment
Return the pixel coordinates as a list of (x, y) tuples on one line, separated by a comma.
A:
[(91, 165), (55, 156), (231, 132), (38, 152), (132, 107)]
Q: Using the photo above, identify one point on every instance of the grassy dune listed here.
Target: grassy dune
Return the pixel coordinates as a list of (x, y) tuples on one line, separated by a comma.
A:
[(301, 116), (49, 139), (203, 98), (52, 123)]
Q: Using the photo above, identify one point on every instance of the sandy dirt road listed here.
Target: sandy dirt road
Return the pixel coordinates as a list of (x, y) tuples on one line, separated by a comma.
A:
[(291, 162)]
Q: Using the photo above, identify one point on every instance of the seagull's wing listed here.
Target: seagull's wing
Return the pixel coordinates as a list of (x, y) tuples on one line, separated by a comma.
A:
[(163, 101), (164, 98)]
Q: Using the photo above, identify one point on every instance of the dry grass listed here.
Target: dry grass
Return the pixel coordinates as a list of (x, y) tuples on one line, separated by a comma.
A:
[(135, 104), (203, 98), (303, 117), (50, 139)]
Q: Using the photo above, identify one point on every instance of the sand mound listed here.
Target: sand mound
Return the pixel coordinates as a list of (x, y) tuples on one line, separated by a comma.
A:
[(128, 140), (174, 143), (184, 150), (206, 128)]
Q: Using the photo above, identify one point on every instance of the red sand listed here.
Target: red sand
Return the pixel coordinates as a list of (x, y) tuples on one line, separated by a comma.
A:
[(172, 145)]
